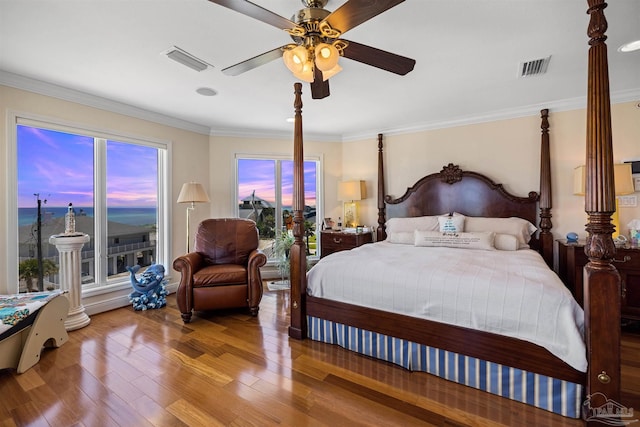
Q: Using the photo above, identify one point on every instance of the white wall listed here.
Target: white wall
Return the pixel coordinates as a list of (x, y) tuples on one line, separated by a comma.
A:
[(507, 151)]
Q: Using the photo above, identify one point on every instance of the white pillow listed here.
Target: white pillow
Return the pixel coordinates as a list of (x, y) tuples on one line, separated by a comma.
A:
[(398, 225), (401, 237), (521, 228), (451, 224), (482, 241), (505, 242)]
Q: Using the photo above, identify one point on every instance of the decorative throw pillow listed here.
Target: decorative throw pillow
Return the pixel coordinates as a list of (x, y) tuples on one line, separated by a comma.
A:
[(482, 241), (521, 228), (451, 224), (506, 242), (401, 237)]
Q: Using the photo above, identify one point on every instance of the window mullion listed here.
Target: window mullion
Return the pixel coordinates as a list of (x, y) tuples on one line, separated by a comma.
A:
[(100, 210), (278, 180)]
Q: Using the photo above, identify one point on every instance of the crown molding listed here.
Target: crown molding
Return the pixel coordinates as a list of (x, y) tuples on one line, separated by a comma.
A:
[(272, 134), (37, 86), (49, 89), (492, 116)]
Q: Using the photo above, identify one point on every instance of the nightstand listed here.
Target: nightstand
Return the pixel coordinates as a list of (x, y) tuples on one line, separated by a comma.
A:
[(571, 260), (335, 241)]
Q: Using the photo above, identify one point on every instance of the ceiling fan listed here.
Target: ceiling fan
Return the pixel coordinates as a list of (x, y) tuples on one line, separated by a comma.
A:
[(313, 55)]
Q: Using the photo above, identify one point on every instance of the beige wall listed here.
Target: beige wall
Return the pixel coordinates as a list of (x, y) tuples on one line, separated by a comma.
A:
[(189, 153), (507, 151)]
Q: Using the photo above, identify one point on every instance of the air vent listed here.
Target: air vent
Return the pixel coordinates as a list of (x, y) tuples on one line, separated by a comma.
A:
[(187, 59), (535, 67)]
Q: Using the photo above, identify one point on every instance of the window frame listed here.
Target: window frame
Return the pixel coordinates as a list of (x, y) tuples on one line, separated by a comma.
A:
[(319, 159), (101, 136)]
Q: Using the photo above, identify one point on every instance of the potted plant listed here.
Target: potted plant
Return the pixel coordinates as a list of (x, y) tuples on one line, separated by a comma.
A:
[(282, 247)]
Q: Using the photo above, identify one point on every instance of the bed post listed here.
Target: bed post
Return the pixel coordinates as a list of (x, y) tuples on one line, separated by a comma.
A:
[(601, 279), (381, 232), (546, 237), (298, 253)]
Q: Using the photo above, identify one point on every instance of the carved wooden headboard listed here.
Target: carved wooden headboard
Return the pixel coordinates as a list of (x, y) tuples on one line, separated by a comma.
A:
[(469, 193)]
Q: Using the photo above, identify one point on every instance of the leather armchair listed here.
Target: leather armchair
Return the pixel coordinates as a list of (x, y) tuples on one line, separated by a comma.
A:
[(224, 269)]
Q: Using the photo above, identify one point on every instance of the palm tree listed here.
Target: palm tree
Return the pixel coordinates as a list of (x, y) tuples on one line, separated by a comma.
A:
[(28, 270)]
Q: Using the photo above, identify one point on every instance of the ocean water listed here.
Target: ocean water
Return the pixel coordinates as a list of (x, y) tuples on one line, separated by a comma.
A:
[(131, 216)]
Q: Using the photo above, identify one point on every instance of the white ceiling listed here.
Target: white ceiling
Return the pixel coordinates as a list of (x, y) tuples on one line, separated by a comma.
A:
[(467, 56)]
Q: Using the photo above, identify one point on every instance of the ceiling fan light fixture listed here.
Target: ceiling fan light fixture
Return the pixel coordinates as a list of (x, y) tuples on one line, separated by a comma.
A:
[(326, 75), (295, 59), (326, 56), (306, 74)]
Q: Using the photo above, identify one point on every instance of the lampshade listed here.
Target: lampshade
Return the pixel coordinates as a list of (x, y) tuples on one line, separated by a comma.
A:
[(306, 74), (579, 180), (192, 192), (301, 60), (326, 75), (295, 58), (352, 190), (623, 181), (326, 56)]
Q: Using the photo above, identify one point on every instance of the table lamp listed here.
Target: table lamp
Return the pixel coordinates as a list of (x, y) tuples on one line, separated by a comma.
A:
[(350, 192), (623, 184), (192, 192)]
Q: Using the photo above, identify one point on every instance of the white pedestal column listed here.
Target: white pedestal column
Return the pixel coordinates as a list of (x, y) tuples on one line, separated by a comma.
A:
[(69, 247)]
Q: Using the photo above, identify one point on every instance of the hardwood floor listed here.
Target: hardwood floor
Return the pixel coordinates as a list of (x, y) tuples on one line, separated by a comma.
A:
[(132, 368)]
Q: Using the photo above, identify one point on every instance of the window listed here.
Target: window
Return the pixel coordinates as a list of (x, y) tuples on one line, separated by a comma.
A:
[(265, 194), (115, 187)]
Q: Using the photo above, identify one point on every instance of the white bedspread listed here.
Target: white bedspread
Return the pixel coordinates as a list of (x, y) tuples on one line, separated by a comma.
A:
[(511, 293)]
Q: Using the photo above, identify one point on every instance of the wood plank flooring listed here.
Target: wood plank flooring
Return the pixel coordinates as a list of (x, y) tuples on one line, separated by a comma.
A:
[(132, 368)]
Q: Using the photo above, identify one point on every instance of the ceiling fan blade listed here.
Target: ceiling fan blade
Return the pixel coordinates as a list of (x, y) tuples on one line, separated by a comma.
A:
[(319, 88), (254, 11), (254, 62), (379, 58), (355, 12)]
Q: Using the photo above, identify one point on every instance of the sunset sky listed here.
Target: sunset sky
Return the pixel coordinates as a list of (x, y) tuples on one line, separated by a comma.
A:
[(59, 167), (259, 175)]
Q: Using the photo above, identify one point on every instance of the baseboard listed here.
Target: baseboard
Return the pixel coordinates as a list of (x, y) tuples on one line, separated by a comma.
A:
[(114, 300)]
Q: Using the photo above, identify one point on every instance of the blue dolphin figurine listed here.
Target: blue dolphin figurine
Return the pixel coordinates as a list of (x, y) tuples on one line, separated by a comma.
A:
[(149, 280)]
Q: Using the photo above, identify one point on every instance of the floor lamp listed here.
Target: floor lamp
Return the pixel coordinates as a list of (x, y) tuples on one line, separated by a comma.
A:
[(192, 192), (623, 183)]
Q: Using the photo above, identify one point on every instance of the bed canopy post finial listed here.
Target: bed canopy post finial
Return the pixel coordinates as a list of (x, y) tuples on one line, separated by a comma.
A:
[(381, 232), (298, 251), (546, 237), (601, 279)]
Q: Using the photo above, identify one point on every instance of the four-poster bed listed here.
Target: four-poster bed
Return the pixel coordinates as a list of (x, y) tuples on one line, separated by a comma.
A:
[(562, 388)]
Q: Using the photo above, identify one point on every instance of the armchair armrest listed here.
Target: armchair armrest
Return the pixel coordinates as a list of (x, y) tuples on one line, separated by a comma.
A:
[(190, 263), (256, 260), (187, 265)]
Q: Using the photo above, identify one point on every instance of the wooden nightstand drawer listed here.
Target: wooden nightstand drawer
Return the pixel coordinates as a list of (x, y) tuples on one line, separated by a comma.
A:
[(335, 241), (627, 259), (571, 260)]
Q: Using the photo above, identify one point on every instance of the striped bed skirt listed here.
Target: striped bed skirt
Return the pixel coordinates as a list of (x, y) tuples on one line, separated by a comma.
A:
[(561, 397)]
